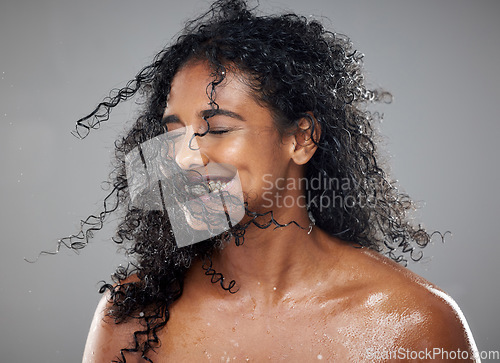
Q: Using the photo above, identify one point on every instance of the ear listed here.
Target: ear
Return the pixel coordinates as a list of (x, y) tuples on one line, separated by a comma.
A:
[(306, 138)]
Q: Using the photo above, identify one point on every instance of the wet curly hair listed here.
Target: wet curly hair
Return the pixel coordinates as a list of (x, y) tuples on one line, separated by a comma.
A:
[(299, 70)]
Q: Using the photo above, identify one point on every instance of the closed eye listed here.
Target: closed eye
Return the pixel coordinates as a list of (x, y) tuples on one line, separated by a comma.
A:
[(218, 132)]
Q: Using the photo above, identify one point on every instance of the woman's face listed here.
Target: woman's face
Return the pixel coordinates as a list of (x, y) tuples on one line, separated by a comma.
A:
[(242, 134)]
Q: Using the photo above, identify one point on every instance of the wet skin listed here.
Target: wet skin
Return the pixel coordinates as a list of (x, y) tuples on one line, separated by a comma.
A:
[(301, 297)]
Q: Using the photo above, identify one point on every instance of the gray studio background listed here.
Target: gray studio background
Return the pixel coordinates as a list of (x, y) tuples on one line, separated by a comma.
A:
[(58, 58)]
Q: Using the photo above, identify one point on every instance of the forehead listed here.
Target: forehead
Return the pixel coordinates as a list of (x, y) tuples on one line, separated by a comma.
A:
[(193, 90), (196, 82)]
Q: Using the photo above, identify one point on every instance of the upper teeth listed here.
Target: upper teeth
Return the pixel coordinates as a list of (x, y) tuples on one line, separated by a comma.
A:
[(213, 186), (201, 190)]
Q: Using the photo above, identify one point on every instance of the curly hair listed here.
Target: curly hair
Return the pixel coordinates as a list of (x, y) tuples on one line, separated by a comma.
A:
[(297, 69)]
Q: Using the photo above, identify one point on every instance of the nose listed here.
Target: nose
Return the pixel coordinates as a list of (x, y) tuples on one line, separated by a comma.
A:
[(188, 154)]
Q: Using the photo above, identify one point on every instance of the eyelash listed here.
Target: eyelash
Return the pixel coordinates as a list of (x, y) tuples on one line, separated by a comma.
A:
[(218, 132), (212, 132)]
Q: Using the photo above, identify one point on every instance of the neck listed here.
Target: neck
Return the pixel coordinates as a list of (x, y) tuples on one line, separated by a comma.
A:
[(271, 259)]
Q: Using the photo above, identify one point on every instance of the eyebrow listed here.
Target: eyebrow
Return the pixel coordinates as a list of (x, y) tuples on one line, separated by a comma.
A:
[(171, 119), (221, 111)]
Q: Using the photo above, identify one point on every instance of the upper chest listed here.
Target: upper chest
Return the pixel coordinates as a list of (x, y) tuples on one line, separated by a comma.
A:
[(333, 331)]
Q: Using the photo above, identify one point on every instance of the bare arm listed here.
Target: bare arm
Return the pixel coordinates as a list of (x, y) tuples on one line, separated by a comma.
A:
[(106, 338)]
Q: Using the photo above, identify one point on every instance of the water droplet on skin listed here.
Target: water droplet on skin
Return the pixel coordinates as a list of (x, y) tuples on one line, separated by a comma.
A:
[(320, 356), (274, 288)]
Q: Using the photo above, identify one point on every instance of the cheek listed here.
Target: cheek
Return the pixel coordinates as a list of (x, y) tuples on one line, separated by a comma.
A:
[(244, 148), (229, 151), (256, 156)]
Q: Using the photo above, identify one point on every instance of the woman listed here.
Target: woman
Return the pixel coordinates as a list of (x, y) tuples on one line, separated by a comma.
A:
[(256, 212)]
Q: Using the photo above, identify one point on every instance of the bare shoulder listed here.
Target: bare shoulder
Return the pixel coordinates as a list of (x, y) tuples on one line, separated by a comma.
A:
[(106, 338), (421, 315)]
